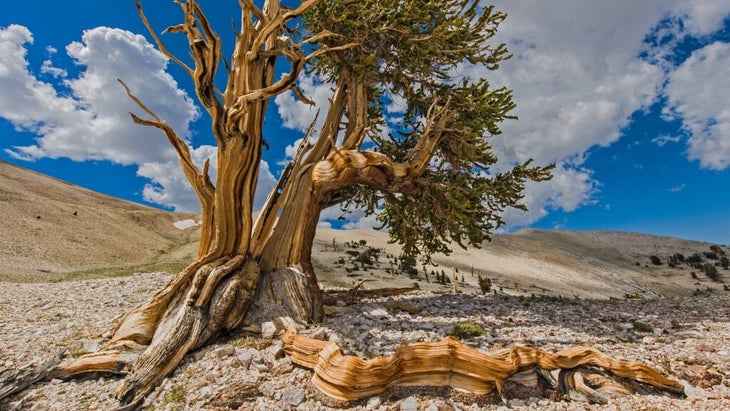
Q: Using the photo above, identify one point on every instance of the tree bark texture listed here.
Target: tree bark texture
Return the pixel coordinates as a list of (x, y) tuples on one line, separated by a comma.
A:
[(451, 363)]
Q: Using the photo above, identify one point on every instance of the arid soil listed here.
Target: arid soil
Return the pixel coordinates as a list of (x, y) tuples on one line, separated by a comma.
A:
[(51, 230), (687, 338)]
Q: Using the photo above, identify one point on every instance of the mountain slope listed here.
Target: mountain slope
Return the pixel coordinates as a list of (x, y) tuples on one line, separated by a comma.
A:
[(52, 230), (591, 264)]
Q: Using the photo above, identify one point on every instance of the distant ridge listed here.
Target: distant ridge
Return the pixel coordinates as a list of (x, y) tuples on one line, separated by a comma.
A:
[(54, 230), (572, 264)]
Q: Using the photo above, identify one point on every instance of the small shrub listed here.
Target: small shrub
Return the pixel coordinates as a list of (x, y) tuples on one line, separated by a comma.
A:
[(695, 261), (467, 329), (655, 260), (711, 255), (642, 327), (485, 284), (724, 262), (717, 249), (635, 296), (711, 272), (248, 341), (408, 264), (176, 395)]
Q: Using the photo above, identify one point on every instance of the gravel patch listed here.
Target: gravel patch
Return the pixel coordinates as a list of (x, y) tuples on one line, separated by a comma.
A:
[(687, 338)]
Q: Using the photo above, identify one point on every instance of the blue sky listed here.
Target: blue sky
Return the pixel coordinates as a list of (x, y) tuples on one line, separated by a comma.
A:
[(630, 99)]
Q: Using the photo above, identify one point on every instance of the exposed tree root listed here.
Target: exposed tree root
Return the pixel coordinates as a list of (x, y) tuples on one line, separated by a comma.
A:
[(451, 363)]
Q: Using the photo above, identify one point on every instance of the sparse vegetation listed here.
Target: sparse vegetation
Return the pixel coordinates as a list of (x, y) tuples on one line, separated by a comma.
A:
[(467, 329), (248, 341), (711, 272), (485, 284), (642, 327), (176, 395), (655, 260)]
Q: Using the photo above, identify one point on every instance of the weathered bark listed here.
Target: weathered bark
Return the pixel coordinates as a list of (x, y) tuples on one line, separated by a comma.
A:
[(451, 363), (205, 299), (13, 381)]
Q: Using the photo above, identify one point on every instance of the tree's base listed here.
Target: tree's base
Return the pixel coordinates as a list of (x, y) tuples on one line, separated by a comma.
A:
[(282, 300)]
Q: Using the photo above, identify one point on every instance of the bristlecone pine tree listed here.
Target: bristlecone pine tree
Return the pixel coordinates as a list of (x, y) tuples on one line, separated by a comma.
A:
[(427, 177)]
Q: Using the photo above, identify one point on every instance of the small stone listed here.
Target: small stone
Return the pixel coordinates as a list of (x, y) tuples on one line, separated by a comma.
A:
[(268, 329), (694, 393), (224, 352), (91, 346), (378, 312), (267, 389), (626, 326), (292, 397), (284, 368), (246, 357), (319, 334), (409, 404), (438, 405), (373, 403)]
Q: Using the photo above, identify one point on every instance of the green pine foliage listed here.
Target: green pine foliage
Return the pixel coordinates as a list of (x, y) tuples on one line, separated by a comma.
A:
[(410, 51)]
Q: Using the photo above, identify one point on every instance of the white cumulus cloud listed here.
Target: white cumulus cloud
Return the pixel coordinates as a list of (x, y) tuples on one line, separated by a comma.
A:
[(578, 76), (697, 93), (93, 122)]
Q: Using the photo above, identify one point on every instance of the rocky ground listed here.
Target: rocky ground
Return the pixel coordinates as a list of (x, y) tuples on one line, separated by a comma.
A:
[(687, 338)]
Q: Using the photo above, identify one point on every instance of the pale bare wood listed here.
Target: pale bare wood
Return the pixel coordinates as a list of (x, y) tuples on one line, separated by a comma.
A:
[(451, 363), (13, 381)]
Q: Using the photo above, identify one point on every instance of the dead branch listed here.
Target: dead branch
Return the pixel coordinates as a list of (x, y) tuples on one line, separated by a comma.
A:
[(451, 363), (12, 381)]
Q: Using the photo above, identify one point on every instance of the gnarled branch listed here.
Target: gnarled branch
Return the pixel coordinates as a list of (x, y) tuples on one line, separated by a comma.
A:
[(448, 363)]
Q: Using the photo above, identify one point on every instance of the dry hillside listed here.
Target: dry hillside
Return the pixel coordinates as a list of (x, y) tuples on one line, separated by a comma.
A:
[(593, 264), (53, 230)]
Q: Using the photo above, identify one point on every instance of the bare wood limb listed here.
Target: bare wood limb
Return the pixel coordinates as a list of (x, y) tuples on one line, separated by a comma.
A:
[(159, 43), (267, 218), (447, 363), (247, 5), (354, 294), (357, 104), (13, 381), (200, 181), (331, 125), (301, 96), (303, 7)]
